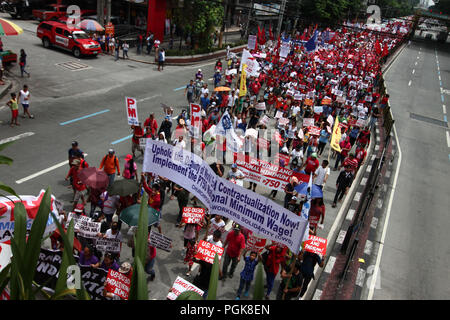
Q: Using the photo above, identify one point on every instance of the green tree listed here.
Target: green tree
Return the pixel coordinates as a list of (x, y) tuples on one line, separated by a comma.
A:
[(325, 10), (199, 18)]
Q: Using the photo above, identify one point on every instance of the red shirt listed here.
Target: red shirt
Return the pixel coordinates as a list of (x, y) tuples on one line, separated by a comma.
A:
[(315, 213), (137, 133), (360, 154), (345, 145), (235, 243), (311, 164), (274, 259), (77, 184), (153, 125)]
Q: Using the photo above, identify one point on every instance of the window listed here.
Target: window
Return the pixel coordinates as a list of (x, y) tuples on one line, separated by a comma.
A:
[(59, 31), (46, 26), (66, 33)]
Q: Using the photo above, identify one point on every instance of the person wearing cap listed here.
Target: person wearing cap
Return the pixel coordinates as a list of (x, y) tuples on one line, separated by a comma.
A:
[(130, 168), (311, 164), (343, 183), (235, 173), (217, 78), (75, 152), (234, 245), (138, 133), (78, 186), (166, 127), (199, 74), (350, 161), (110, 164)]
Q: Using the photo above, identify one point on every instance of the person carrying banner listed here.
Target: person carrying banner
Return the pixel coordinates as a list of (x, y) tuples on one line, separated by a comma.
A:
[(274, 257), (234, 245)]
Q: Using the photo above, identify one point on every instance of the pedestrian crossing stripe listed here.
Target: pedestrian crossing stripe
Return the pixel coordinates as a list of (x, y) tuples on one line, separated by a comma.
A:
[(73, 65)]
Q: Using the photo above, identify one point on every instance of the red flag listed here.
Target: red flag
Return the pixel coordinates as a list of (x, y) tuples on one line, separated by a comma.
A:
[(377, 47), (258, 39), (263, 37), (385, 50), (270, 33)]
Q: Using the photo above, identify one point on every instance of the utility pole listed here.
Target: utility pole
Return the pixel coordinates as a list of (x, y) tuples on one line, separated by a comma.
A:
[(100, 11), (248, 19), (108, 11), (280, 17)]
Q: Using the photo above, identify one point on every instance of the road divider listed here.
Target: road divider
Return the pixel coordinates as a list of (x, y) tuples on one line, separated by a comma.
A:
[(84, 117)]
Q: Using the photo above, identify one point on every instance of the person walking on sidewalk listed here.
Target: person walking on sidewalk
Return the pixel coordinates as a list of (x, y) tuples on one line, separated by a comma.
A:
[(149, 43), (117, 48), (343, 183), (23, 63), (110, 163), (24, 97), (125, 48), (234, 245), (12, 104), (139, 41), (161, 59)]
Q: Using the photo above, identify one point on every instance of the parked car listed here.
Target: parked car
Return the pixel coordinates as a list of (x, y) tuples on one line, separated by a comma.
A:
[(53, 33), (52, 12), (23, 9)]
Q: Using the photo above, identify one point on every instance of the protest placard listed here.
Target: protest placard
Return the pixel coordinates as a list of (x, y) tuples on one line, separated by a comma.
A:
[(297, 96), (316, 244), (179, 286), (309, 102), (330, 120), (88, 229), (206, 251), (160, 241), (261, 106), (108, 245), (251, 44), (326, 101), (308, 122), (118, 283), (318, 109), (213, 227), (279, 114), (193, 215), (77, 218), (255, 243), (142, 142), (314, 131), (247, 208), (94, 281), (132, 114), (283, 121), (264, 120)]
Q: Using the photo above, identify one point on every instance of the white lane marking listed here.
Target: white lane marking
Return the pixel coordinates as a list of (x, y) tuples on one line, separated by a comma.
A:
[(37, 174), (414, 71), (388, 174), (377, 147), (341, 236), (391, 198), (368, 247), (409, 83), (444, 109), (2, 107), (415, 63), (363, 181), (350, 214), (439, 77), (317, 294), (357, 196), (330, 264), (369, 167), (148, 98), (380, 203), (417, 57), (360, 277), (19, 136), (448, 139)]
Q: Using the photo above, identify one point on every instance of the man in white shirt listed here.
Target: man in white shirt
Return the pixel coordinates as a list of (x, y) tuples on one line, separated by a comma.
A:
[(297, 154), (321, 174), (180, 143), (204, 89), (24, 97)]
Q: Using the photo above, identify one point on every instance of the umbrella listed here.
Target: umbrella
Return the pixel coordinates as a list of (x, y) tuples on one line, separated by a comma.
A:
[(218, 89), (90, 25), (130, 215), (94, 178), (303, 189), (123, 187), (8, 28)]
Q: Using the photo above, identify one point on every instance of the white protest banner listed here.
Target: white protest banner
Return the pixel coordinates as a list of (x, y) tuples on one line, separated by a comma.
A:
[(251, 42), (160, 241), (108, 245), (31, 204), (132, 114), (77, 219), (193, 215), (308, 122), (290, 93), (231, 71), (264, 120), (330, 120), (361, 123), (88, 229), (267, 174), (246, 57), (318, 109), (261, 106), (279, 114), (283, 121), (284, 49), (206, 251), (340, 99), (5, 255), (247, 208), (179, 286), (253, 68), (297, 96)]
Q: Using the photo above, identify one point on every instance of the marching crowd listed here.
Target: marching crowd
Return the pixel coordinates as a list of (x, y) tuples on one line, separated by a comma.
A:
[(335, 81)]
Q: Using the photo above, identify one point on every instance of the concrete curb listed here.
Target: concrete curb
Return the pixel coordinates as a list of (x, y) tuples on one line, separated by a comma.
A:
[(4, 90)]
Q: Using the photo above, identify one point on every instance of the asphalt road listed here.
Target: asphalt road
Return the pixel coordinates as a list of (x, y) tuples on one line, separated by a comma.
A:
[(416, 255), (88, 106)]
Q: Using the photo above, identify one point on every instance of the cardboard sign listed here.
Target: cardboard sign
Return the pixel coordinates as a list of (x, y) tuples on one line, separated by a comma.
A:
[(108, 245), (314, 131), (330, 120), (261, 106), (318, 109), (196, 119), (132, 114), (326, 101), (179, 286), (193, 215), (279, 114), (309, 102), (264, 120), (88, 229), (316, 244), (308, 122), (283, 121), (206, 251), (160, 241), (142, 142), (77, 219), (251, 42), (118, 283), (255, 243)]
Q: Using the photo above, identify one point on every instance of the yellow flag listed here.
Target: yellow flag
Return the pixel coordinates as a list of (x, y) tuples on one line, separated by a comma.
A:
[(336, 136), (243, 85)]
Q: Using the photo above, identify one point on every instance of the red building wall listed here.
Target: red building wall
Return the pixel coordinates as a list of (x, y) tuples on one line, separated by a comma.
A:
[(156, 18)]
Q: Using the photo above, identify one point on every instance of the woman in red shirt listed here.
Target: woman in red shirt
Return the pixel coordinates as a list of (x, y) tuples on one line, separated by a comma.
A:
[(316, 213)]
